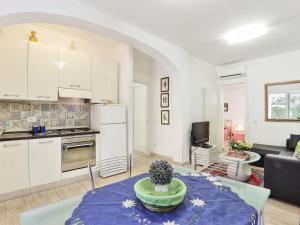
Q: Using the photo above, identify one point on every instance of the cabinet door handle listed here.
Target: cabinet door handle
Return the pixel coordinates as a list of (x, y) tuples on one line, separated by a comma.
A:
[(11, 95), (46, 97), (11, 145), (45, 142), (75, 85)]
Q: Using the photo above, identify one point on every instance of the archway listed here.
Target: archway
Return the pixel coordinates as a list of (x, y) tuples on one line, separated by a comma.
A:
[(150, 47)]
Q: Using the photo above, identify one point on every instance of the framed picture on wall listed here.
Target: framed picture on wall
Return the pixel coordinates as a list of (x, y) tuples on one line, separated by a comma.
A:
[(164, 84), (225, 107), (164, 100), (165, 117)]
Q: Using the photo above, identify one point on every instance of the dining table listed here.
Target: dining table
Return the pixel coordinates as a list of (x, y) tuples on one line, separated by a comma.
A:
[(209, 201)]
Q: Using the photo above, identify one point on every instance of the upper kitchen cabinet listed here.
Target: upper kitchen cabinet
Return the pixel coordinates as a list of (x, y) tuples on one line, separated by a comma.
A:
[(104, 80), (42, 72), (74, 70), (13, 68)]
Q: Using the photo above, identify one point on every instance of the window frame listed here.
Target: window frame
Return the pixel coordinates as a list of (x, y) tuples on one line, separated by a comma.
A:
[(288, 102)]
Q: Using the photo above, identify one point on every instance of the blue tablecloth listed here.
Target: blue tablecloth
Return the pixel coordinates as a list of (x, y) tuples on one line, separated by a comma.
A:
[(207, 202)]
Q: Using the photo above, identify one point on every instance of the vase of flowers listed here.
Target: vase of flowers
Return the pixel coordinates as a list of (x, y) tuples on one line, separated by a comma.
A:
[(161, 174), (238, 148)]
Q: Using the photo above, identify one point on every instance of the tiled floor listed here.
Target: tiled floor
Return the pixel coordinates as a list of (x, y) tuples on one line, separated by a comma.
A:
[(276, 212)]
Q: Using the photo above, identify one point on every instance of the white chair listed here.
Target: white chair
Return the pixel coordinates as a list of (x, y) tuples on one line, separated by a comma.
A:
[(94, 170)]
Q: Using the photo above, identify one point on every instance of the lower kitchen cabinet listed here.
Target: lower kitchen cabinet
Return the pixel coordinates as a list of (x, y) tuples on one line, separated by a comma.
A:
[(13, 166), (44, 160)]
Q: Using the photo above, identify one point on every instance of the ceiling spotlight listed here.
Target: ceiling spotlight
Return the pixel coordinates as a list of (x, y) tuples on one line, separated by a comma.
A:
[(246, 33)]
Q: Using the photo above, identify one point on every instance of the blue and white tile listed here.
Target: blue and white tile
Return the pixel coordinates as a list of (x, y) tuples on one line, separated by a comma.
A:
[(4, 107), (45, 107), (15, 115), (70, 123), (15, 124), (54, 123), (25, 114), (25, 107), (62, 123), (15, 106), (4, 115), (35, 107)]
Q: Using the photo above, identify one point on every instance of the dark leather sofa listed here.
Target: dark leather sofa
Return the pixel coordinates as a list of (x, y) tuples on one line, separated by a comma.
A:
[(282, 177), (264, 150), (281, 171)]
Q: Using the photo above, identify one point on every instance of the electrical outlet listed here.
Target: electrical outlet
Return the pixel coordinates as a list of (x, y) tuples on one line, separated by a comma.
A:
[(31, 119)]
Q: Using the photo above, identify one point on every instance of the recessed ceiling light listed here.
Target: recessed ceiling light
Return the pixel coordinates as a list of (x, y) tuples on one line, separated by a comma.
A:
[(246, 33)]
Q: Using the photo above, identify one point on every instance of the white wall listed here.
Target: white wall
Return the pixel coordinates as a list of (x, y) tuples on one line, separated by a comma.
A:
[(234, 95), (162, 136), (266, 70), (150, 71), (203, 77), (140, 112)]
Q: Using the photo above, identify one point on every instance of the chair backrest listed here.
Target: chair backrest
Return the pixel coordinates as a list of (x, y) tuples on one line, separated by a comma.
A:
[(130, 164), (94, 170), (231, 167)]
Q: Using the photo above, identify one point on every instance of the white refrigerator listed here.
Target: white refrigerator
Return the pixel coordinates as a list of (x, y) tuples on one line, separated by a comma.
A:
[(110, 120)]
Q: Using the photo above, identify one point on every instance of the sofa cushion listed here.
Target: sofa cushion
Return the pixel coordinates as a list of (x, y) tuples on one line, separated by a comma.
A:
[(267, 149), (294, 140)]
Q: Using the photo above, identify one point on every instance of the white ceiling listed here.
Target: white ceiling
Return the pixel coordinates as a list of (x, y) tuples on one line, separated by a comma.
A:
[(199, 25)]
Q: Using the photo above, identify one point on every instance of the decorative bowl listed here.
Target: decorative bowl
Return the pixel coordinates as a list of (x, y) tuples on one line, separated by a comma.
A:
[(160, 201)]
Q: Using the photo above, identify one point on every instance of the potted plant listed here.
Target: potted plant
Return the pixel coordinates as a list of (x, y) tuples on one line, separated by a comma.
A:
[(161, 174), (238, 148)]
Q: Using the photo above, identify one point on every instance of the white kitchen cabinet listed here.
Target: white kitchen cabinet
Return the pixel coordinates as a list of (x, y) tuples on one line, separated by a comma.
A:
[(42, 72), (74, 70), (13, 166), (104, 80), (44, 160), (13, 68)]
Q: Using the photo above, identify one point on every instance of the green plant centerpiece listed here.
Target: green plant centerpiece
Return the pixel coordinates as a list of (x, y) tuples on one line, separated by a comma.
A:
[(160, 192), (161, 175)]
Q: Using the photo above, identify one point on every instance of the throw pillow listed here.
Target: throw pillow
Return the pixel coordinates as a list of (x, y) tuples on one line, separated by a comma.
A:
[(294, 140), (297, 150)]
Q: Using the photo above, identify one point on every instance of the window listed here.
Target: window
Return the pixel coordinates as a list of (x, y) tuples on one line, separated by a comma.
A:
[(278, 106), (283, 101), (294, 106)]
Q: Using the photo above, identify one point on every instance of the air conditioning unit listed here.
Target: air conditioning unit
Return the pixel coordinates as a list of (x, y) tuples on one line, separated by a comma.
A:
[(231, 71)]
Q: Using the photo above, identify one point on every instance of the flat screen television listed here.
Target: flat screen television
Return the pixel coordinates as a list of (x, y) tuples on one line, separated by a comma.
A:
[(200, 133)]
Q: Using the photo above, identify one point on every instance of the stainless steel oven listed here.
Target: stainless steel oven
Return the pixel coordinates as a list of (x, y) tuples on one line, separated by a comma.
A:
[(77, 151)]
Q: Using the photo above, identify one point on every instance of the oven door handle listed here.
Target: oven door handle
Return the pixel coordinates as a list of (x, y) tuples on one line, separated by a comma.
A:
[(66, 147)]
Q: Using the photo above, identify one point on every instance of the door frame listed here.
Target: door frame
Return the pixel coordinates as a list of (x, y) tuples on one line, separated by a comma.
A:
[(148, 151), (221, 85)]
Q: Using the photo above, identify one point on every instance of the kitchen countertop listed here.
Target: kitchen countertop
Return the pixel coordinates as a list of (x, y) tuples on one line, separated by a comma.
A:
[(12, 136)]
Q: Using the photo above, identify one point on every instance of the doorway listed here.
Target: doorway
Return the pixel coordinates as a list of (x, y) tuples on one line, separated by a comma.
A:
[(140, 118), (234, 113)]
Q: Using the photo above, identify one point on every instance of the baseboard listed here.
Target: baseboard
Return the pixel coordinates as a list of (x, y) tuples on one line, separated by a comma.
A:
[(168, 158), (44, 187)]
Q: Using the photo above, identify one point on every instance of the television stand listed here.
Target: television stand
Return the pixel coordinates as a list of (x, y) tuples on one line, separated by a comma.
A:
[(204, 156), (205, 145)]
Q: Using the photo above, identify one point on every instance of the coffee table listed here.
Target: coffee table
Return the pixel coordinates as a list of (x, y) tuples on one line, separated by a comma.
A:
[(239, 169)]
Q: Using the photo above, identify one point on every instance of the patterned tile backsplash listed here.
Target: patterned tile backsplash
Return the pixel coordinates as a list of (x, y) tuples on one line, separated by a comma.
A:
[(13, 115)]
